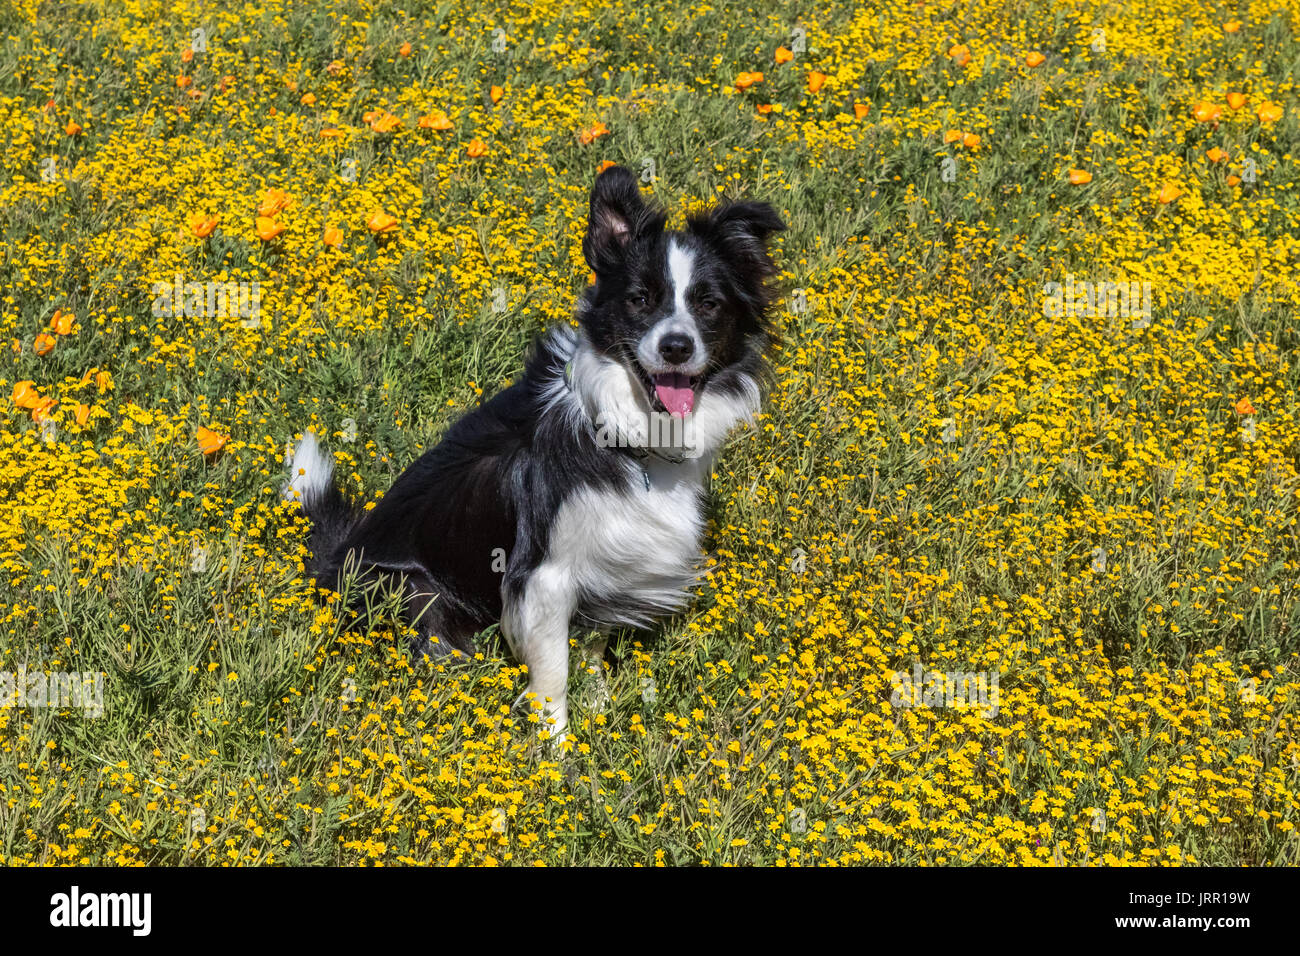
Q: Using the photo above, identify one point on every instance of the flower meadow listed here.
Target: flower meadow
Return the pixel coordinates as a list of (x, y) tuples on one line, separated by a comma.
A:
[(1034, 418)]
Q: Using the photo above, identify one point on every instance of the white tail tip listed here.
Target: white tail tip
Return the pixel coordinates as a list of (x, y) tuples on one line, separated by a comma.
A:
[(310, 472)]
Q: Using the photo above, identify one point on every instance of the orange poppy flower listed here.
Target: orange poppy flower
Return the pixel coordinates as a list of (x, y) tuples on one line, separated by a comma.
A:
[(333, 236), (227, 82), (783, 55), (380, 221), (308, 99), (25, 395), (970, 141), (588, 136), (43, 409), (1034, 59), (815, 80), (960, 54), (1206, 112), (273, 202), (604, 165), (1216, 155), (435, 120), (44, 344), (329, 132), (404, 49), (1168, 193), (104, 381), (763, 108), (1080, 177), (202, 226), (1269, 112), (211, 442), (183, 81), (83, 413), (496, 93), (187, 54), (1244, 407), (1233, 180), (268, 228), (1232, 26), (384, 122), (860, 110), (951, 136), (1236, 100), (745, 80), (334, 67), (72, 129), (62, 322), (476, 148)]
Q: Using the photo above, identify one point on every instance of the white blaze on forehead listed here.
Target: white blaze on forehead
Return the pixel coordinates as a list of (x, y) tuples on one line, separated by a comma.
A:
[(681, 264), (681, 268)]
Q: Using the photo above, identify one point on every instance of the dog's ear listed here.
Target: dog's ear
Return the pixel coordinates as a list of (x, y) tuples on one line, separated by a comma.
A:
[(617, 211), (741, 230)]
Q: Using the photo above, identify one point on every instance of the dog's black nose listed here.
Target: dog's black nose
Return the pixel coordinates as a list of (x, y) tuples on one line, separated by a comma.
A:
[(676, 348)]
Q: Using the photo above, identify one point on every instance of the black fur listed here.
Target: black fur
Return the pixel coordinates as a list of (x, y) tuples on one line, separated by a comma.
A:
[(493, 482)]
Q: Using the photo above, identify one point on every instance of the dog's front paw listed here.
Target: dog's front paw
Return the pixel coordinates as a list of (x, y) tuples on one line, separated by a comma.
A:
[(553, 718)]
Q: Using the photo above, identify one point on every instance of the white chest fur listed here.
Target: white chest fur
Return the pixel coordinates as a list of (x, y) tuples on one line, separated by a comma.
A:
[(632, 555)]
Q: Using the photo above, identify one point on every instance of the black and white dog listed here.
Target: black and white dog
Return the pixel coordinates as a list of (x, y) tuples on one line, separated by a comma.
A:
[(575, 496)]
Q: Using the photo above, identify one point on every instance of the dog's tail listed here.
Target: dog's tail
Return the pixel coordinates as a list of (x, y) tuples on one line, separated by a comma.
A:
[(332, 514)]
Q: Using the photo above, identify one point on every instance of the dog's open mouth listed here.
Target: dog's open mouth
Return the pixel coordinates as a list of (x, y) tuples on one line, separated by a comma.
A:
[(672, 392)]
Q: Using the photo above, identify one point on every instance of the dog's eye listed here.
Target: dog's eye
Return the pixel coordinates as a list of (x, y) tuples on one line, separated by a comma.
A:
[(636, 301), (708, 305)]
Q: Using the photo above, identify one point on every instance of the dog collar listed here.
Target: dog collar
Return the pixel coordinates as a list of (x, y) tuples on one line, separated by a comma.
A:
[(623, 444)]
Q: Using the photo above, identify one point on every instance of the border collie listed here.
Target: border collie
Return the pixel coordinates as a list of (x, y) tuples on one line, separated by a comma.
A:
[(575, 496)]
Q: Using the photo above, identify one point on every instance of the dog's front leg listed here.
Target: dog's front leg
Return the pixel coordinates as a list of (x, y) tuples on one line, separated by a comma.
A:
[(597, 697), (535, 622)]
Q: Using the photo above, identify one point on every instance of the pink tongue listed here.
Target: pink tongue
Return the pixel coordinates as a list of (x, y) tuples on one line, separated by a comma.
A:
[(674, 390)]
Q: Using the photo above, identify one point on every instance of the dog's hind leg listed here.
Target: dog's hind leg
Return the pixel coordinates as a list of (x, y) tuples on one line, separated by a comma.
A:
[(421, 609)]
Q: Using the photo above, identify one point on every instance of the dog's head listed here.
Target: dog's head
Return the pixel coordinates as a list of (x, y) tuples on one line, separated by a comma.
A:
[(682, 311)]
